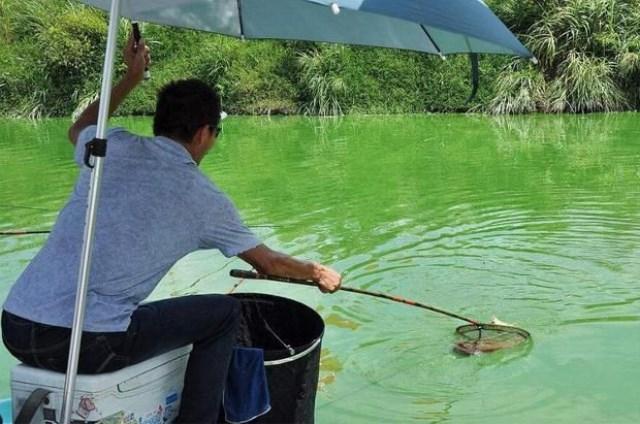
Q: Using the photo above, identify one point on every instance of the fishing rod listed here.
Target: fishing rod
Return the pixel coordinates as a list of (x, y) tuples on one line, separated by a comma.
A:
[(29, 232), (23, 233), (238, 273)]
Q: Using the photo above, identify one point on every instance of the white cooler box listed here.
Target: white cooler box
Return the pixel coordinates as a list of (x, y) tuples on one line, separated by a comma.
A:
[(144, 393)]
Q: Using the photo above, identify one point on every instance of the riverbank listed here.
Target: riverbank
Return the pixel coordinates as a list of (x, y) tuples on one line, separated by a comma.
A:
[(589, 52)]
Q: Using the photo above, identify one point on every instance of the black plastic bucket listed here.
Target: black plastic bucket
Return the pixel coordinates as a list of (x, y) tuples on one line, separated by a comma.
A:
[(290, 333)]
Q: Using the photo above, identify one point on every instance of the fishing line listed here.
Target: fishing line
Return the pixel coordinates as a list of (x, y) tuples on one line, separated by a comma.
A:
[(235, 286), (12, 206), (29, 232), (474, 337), (23, 233), (264, 320)]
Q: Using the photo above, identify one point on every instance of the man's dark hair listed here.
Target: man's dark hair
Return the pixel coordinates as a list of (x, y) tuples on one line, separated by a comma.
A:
[(185, 106)]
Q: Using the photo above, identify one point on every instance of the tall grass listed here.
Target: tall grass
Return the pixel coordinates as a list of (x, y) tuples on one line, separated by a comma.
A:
[(323, 85), (520, 90), (588, 84), (5, 23), (588, 54), (52, 48)]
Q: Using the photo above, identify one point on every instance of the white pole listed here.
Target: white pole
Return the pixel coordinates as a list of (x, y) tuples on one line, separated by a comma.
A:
[(90, 219)]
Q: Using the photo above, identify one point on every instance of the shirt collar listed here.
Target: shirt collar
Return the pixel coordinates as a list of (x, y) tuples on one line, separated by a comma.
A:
[(173, 149)]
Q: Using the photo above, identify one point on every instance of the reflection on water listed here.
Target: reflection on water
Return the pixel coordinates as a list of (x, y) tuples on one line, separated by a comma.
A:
[(535, 219)]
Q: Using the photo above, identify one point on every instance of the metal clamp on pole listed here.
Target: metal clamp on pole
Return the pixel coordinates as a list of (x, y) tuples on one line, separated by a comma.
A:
[(96, 147)]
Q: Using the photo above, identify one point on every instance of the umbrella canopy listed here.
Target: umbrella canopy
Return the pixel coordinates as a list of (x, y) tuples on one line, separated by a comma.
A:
[(430, 26)]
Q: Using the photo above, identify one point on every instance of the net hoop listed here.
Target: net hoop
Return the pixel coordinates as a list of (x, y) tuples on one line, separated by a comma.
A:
[(464, 330), (485, 338)]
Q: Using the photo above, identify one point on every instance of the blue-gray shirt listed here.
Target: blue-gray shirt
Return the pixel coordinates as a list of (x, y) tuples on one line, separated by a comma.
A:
[(155, 207)]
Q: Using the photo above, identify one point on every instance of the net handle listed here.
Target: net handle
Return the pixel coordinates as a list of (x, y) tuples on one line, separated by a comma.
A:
[(238, 273)]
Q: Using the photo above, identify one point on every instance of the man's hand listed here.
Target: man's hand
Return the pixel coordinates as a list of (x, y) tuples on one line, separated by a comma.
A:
[(137, 58), (328, 280)]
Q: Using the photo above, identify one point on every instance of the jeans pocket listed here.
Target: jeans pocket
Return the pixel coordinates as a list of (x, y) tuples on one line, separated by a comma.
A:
[(16, 333), (48, 339), (14, 321), (98, 355)]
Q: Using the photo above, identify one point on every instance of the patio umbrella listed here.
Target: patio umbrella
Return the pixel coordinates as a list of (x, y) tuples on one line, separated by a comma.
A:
[(431, 26)]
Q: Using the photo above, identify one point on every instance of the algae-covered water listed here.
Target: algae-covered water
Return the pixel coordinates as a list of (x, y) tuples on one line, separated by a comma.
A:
[(535, 220)]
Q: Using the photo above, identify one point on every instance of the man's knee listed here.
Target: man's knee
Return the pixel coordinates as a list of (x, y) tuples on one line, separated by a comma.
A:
[(228, 311)]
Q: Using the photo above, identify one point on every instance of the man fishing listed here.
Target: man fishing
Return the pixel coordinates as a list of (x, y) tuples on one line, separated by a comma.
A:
[(156, 207)]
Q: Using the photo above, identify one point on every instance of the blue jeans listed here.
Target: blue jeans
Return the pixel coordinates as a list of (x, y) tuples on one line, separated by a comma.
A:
[(209, 322)]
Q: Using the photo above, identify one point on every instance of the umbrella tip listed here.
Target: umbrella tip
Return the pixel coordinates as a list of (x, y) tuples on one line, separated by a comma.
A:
[(534, 60), (335, 8)]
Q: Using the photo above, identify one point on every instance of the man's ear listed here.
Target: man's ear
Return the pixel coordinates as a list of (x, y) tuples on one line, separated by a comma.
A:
[(200, 137)]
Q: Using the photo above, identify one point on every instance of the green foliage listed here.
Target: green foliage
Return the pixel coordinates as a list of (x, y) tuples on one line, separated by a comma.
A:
[(521, 90), (71, 47), (589, 58), (519, 15), (589, 51), (344, 79), (587, 84), (256, 80), (324, 88), (50, 54), (6, 33)]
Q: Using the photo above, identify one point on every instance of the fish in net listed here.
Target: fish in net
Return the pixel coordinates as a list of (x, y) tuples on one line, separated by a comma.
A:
[(475, 339)]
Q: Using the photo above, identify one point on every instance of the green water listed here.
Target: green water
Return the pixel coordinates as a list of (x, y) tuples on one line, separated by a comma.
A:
[(533, 219)]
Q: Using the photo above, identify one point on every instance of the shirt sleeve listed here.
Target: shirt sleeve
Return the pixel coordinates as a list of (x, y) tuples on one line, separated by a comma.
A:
[(223, 227)]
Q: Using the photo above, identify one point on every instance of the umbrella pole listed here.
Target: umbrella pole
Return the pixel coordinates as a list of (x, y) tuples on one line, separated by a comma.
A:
[(90, 219)]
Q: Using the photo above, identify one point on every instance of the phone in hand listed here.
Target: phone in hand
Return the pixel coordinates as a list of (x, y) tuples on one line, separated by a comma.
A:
[(136, 37), (136, 31)]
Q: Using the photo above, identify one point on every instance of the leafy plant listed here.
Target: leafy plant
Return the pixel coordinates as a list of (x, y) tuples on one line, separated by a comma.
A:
[(589, 84), (520, 90), (322, 82), (588, 62)]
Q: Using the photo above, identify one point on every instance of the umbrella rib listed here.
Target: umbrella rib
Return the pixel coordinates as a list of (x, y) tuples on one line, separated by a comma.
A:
[(435, 45), (238, 2)]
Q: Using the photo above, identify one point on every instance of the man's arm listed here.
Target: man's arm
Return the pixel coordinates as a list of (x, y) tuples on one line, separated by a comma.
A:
[(136, 59), (268, 261)]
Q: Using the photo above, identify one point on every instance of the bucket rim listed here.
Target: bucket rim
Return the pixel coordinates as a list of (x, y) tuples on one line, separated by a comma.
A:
[(297, 350), (298, 355)]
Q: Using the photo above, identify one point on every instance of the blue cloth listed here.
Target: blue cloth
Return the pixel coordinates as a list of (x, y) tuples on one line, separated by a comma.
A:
[(5, 411), (246, 395), (155, 207)]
